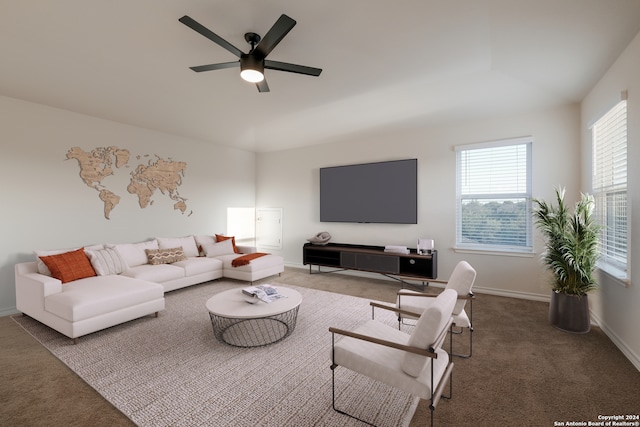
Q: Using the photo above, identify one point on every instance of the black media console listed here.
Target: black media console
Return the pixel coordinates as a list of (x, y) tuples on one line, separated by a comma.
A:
[(371, 258)]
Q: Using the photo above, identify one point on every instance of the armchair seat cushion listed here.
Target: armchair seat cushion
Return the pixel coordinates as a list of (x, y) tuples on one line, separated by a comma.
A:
[(461, 320), (198, 265), (385, 363)]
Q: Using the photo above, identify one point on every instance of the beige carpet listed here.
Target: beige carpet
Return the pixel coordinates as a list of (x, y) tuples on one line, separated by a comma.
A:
[(171, 371)]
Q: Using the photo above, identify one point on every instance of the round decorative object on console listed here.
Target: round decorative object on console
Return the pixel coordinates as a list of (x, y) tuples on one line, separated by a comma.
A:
[(321, 238)]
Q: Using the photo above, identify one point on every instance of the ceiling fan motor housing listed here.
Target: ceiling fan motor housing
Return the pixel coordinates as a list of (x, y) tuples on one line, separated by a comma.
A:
[(251, 64)]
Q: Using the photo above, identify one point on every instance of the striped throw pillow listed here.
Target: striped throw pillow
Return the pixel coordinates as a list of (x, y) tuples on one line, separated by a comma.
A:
[(107, 261)]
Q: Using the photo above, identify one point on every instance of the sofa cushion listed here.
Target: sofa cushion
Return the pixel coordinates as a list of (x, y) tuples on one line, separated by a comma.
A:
[(155, 273), (217, 249), (69, 266), (165, 256), (203, 240), (221, 238), (198, 265), (255, 264), (188, 244), (94, 296), (106, 261), (134, 253)]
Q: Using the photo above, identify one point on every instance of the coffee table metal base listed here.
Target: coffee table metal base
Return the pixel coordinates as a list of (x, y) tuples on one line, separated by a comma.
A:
[(254, 332)]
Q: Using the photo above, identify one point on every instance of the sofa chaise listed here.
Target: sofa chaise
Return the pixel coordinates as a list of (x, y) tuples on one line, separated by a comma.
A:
[(84, 290)]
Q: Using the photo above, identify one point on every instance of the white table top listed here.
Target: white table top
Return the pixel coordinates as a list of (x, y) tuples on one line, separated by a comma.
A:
[(232, 304)]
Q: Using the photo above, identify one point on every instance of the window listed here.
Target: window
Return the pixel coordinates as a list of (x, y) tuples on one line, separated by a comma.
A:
[(609, 182), (493, 196)]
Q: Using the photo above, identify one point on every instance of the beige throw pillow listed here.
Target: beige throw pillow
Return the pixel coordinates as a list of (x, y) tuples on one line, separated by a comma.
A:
[(165, 256)]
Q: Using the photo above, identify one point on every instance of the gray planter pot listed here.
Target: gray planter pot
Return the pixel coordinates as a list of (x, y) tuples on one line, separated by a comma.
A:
[(570, 313)]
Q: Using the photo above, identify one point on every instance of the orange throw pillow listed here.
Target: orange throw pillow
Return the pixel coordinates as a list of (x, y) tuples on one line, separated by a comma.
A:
[(69, 266), (220, 238)]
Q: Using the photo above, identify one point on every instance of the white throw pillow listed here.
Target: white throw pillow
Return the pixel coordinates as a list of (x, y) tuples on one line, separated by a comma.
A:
[(202, 240), (188, 244), (217, 249), (134, 253), (107, 261)]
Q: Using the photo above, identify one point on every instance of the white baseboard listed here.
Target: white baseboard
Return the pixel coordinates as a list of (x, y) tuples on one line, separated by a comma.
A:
[(629, 353), (8, 311), (511, 294)]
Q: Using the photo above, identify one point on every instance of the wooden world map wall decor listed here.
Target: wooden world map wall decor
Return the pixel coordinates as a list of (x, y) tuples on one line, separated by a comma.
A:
[(157, 174)]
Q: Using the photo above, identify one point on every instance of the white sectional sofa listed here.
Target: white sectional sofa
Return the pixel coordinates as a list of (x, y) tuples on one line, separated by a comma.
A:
[(121, 282)]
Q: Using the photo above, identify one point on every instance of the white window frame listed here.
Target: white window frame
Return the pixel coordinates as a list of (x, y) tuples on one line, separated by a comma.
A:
[(461, 195), (608, 179)]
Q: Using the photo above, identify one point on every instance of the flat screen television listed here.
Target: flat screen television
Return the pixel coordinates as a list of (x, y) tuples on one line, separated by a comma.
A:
[(381, 192)]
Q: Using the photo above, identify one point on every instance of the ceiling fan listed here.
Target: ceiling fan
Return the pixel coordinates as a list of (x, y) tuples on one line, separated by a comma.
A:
[(253, 64)]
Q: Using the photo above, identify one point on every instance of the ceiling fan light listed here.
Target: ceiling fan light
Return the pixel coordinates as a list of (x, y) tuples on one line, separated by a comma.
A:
[(251, 69), (252, 76)]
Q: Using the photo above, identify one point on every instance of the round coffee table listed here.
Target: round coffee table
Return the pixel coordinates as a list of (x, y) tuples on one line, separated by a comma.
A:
[(239, 323)]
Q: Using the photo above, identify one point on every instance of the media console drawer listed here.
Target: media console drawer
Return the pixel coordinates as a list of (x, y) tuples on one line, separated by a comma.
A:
[(370, 262)]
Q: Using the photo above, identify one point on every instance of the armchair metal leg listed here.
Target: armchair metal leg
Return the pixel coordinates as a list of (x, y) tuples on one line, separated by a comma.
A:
[(466, 356), (435, 397), (449, 368), (333, 384), (333, 397), (432, 404)]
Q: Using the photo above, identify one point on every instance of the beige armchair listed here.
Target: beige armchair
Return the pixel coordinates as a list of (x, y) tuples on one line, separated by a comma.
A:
[(461, 280), (414, 363)]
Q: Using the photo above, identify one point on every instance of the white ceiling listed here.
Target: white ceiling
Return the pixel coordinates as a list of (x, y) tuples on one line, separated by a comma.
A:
[(386, 64)]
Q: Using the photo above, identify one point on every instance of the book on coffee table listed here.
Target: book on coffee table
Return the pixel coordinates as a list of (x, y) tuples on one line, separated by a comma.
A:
[(266, 293)]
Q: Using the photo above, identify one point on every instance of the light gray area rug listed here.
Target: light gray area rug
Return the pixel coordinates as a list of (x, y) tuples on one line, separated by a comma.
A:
[(170, 370)]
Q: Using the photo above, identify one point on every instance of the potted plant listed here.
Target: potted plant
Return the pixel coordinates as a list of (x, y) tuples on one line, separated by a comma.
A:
[(571, 253)]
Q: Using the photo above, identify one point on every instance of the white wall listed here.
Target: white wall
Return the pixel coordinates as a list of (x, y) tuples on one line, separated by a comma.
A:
[(45, 205), (617, 307), (290, 179)]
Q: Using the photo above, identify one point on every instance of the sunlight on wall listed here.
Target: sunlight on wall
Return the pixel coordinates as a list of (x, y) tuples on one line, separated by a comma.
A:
[(241, 223)]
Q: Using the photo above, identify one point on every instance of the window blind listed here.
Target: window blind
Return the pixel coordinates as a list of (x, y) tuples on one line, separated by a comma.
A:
[(609, 182), (494, 195)]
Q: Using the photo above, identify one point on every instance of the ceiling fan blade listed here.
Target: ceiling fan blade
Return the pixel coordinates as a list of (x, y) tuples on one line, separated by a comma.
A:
[(263, 86), (276, 33), (210, 67), (196, 26), (292, 68)]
